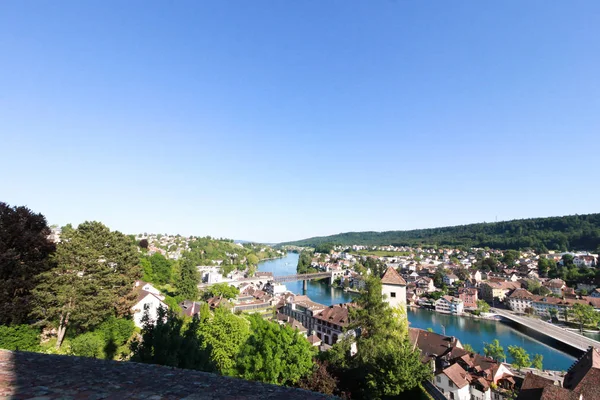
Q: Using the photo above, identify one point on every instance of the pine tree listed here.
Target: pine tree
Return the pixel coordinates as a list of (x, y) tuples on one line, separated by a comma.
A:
[(93, 279), (187, 285)]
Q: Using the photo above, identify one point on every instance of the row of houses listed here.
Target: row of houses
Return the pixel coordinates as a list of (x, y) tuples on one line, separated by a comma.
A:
[(523, 301)]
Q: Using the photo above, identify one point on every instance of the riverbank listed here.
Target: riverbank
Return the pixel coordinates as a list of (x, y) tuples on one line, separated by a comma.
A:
[(477, 332)]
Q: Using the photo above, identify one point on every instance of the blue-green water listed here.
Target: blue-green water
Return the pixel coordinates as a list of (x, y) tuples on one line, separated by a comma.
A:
[(318, 292), (478, 332), (475, 332)]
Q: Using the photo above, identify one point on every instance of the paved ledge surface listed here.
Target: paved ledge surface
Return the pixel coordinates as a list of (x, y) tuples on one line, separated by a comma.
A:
[(36, 376)]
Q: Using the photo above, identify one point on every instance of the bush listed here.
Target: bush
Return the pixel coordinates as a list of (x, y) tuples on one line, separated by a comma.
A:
[(89, 344), (119, 330), (19, 337)]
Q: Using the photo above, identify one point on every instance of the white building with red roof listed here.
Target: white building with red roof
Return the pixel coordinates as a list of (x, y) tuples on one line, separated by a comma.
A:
[(393, 286)]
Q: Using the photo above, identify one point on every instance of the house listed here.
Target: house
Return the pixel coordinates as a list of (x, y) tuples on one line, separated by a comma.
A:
[(450, 305), (486, 379), (314, 340), (596, 293), (449, 279), (468, 296), (149, 288), (520, 300), (556, 286), (582, 382), (283, 319), (492, 290), (189, 308), (584, 375), (536, 387), (393, 286), (476, 276), (452, 382), (146, 301), (331, 323), (303, 309), (426, 284)]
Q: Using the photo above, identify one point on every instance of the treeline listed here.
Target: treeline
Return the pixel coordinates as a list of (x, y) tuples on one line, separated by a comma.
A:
[(79, 291), (573, 232)]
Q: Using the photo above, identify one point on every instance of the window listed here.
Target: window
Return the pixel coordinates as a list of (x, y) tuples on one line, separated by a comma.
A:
[(393, 294), (438, 379), (450, 384), (451, 396)]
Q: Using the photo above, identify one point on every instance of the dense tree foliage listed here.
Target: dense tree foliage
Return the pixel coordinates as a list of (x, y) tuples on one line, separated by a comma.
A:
[(24, 254), (157, 269), (224, 290), (169, 341), (93, 279), (577, 232), (494, 350), (538, 361), (189, 278), (519, 357), (223, 334), (19, 337), (274, 354), (385, 364), (304, 262), (585, 315)]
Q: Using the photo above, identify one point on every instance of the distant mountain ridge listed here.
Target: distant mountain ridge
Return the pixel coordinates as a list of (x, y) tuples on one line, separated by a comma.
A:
[(571, 232)]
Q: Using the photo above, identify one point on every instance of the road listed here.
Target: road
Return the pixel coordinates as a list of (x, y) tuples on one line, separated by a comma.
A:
[(571, 338)]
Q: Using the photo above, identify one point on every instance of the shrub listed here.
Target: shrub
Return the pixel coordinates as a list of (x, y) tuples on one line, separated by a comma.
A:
[(19, 337), (89, 344), (118, 330)]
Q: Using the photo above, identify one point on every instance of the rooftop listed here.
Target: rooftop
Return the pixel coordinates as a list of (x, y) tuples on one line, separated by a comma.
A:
[(29, 375)]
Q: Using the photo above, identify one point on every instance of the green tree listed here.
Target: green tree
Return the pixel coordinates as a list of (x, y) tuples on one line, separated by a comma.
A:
[(483, 306), (304, 262), (567, 260), (537, 362), (223, 335), (468, 348), (520, 358), (274, 354), (19, 337), (89, 344), (169, 341), (320, 380), (24, 254), (252, 259), (386, 364), (161, 268), (585, 315), (510, 257), (187, 284), (93, 279), (494, 350), (224, 290), (533, 286)]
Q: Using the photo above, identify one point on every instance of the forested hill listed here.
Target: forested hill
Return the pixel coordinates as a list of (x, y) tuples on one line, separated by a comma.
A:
[(573, 232)]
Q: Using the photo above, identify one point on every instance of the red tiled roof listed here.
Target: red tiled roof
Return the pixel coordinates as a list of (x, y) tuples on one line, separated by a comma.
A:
[(392, 277), (584, 376), (457, 375)]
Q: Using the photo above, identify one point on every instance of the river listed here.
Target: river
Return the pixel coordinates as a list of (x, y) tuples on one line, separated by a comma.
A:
[(475, 332)]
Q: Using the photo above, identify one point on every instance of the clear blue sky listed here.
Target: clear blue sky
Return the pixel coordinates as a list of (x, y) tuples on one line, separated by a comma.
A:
[(279, 120)]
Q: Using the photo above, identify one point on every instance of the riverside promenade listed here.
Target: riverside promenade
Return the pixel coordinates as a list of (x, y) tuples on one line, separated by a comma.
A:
[(557, 333)]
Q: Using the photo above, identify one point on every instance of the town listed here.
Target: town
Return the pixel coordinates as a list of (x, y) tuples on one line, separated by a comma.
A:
[(558, 288)]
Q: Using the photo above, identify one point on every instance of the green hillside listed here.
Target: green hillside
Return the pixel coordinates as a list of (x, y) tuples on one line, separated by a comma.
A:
[(573, 232)]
